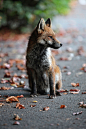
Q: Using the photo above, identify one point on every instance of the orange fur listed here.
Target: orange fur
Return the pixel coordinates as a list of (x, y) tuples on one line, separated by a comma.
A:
[(41, 66)]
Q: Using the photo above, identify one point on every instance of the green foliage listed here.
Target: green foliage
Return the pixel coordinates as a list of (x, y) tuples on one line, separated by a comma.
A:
[(18, 14)]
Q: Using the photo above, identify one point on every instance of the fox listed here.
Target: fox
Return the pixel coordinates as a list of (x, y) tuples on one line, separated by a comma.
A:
[(43, 74)]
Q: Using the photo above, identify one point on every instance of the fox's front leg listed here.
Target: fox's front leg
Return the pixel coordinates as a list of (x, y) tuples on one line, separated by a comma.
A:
[(52, 84), (32, 82)]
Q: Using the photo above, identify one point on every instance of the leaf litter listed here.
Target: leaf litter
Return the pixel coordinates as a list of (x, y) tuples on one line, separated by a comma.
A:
[(46, 108), (20, 106), (16, 117)]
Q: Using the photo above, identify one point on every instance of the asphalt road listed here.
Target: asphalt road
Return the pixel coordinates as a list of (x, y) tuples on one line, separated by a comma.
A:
[(72, 116)]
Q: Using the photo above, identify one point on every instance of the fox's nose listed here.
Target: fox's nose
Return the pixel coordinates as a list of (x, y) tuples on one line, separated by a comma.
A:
[(60, 44)]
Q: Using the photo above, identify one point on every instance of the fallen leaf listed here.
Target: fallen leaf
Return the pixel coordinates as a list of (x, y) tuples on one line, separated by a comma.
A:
[(83, 68), (23, 76), (35, 101), (14, 79), (32, 105), (66, 67), (46, 108), (2, 100), (68, 73), (81, 102), (21, 84), (84, 92), (16, 123), (77, 113), (64, 58), (13, 84), (75, 84), (20, 96), (84, 65), (83, 105), (12, 99), (7, 74), (69, 49), (3, 55), (20, 67), (6, 66), (74, 91), (20, 106), (1, 104), (63, 106), (16, 117), (4, 80), (80, 50), (5, 88)]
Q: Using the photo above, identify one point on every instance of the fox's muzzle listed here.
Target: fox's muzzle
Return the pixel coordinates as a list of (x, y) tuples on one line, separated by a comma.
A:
[(56, 45)]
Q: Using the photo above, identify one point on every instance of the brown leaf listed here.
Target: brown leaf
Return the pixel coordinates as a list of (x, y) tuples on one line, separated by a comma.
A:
[(4, 80), (5, 88), (74, 91), (84, 92), (12, 99), (64, 58), (75, 84), (63, 106), (20, 96), (46, 108), (6, 66), (32, 105), (20, 106), (20, 67), (80, 50), (1, 104), (16, 117), (83, 105), (13, 84), (3, 55), (7, 74), (11, 62)]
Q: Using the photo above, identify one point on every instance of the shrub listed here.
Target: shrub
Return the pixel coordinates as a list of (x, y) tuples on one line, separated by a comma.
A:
[(20, 13)]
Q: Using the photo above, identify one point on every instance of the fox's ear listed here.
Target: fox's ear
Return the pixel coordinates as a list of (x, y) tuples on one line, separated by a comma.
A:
[(41, 25), (48, 22)]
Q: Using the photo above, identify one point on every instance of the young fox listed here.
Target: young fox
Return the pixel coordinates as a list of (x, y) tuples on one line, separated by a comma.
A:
[(43, 73)]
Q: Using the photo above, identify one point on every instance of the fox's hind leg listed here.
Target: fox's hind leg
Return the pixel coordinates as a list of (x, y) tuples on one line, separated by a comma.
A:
[(58, 80), (58, 87)]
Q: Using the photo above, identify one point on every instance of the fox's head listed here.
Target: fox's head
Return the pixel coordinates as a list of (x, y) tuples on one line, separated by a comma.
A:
[(46, 35)]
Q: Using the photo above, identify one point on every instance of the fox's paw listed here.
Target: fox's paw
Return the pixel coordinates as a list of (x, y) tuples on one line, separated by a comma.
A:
[(58, 93), (33, 95), (52, 96)]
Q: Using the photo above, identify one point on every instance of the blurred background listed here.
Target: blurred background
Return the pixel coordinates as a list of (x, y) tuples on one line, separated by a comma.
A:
[(23, 15), (18, 18)]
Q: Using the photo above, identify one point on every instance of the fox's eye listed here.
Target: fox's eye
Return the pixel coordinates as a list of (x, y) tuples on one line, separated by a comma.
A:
[(50, 37)]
